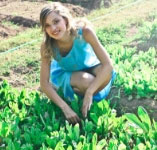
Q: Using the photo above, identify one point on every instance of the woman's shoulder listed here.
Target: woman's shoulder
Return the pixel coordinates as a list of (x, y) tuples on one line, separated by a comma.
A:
[(88, 33), (86, 30), (81, 24)]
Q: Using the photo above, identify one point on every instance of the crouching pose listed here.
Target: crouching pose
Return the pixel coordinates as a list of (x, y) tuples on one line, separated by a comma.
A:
[(73, 59)]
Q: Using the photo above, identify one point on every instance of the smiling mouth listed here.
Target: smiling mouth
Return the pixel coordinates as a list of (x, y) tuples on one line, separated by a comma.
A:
[(56, 32)]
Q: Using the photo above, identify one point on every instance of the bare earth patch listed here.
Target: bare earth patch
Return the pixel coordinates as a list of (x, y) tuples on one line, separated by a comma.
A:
[(15, 76), (124, 105), (26, 15)]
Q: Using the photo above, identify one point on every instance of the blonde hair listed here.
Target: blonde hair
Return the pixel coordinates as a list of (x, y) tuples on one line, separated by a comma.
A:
[(72, 26)]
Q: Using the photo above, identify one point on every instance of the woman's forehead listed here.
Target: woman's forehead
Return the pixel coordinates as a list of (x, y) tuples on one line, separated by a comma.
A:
[(51, 17)]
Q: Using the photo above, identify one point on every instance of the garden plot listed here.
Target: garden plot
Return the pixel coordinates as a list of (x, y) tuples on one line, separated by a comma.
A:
[(28, 120)]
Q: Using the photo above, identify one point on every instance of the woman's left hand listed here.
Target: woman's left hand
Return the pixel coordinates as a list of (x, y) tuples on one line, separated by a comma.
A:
[(87, 102)]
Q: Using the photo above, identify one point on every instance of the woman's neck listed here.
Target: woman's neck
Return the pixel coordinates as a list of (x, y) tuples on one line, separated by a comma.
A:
[(67, 37), (65, 45)]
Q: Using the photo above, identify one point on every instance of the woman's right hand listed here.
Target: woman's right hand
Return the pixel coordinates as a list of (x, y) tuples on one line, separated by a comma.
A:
[(70, 115)]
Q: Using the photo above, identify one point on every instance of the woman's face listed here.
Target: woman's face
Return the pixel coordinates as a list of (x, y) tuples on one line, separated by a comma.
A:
[(55, 26)]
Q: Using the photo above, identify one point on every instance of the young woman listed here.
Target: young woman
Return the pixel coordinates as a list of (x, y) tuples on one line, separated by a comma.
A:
[(73, 59)]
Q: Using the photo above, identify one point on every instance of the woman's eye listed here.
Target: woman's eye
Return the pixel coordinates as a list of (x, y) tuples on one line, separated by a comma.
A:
[(56, 21)]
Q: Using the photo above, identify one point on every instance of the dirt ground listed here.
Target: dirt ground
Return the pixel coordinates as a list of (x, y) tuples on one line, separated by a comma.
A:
[(26, 15), (123, 104)]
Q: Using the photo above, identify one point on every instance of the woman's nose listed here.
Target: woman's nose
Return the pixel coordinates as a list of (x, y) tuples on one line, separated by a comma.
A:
[(53, 28)]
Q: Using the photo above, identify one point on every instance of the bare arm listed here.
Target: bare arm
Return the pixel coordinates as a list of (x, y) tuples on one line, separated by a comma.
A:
[(47, 88), (104, 74)]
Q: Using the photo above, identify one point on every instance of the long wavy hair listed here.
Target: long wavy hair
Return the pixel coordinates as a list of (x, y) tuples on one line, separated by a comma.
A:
[(72, 26)]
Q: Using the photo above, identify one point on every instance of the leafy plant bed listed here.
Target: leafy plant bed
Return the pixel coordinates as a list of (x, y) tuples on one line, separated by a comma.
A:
[(129, 103), (29, 121)]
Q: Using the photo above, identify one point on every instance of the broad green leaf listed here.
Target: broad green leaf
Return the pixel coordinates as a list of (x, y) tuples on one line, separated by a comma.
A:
[(155, 125), (27, 137), (86, 146), (59, 146), (101, 144), (122, 146), (6, 128), (76, 132), (11, 145), (82, 139), (94, 141), (43, 147), (23, 94), (113, 144), (148, 145), (51, 142), (138, 141), (94, 117), (27, 147), (100, 121), (75, 106), (17, 145), (141, 146), (69, 129), (143, 115), (79, 146), (88, 126), (132, 117), (69, 147)]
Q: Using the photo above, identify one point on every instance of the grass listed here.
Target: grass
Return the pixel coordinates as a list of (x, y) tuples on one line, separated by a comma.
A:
[(26, 55), (25, 58), (103, 11), (9, 24), (139, 11), (22, 38)]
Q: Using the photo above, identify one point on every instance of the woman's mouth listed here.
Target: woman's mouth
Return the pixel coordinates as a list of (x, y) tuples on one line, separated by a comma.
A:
[(55, 32)]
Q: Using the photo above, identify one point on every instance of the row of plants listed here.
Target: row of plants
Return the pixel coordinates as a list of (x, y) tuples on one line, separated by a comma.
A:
[(136, 68), (29, 121)]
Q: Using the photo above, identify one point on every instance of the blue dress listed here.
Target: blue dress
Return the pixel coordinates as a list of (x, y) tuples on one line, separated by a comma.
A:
[(80, 57)]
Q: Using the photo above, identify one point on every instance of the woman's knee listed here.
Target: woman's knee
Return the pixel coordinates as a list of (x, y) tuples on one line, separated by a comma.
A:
[(81, 81), (86, 80)]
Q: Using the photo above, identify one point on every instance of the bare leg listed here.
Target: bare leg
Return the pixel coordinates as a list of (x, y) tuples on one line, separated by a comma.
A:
[(80, 81), (95, 71)]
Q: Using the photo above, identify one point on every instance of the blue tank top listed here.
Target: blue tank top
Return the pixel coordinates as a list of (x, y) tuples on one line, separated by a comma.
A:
[(81, 56)]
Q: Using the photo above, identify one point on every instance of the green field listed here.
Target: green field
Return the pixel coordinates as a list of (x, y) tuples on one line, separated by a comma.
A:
[(30, 121)]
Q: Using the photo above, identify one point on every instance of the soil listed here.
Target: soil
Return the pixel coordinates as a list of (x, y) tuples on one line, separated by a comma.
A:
[(123, 104), (26, 15)]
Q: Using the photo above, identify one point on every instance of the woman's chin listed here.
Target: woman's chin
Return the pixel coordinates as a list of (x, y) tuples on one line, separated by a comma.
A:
[(57, 37)]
